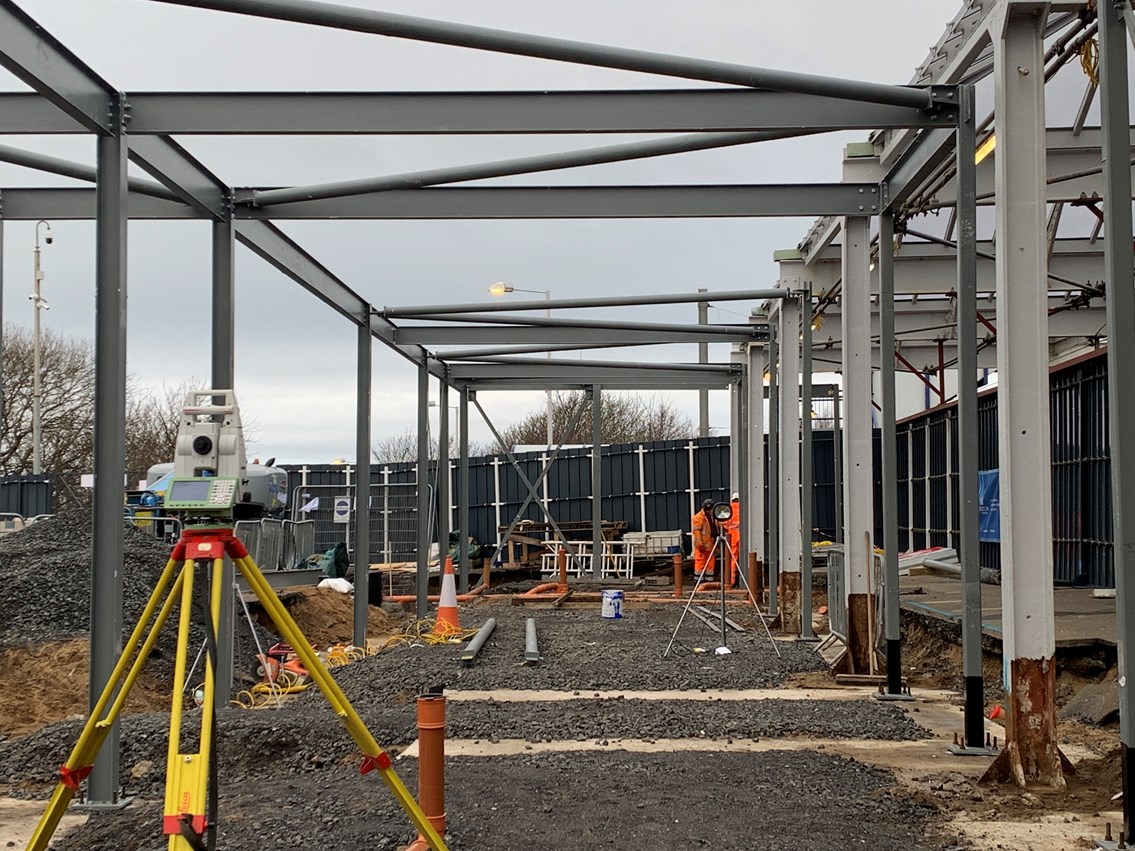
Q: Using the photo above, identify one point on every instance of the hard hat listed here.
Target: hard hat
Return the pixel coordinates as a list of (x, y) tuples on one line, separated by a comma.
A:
[(736, 497)]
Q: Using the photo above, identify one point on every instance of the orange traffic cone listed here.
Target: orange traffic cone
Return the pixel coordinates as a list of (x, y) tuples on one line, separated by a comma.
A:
[(447, 607)]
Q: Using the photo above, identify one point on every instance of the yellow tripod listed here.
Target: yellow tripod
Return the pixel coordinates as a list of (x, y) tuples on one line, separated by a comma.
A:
[(186, 820)]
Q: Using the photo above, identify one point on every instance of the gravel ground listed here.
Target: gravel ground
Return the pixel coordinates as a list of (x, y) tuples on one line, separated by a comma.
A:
[(582, 651), (776, 800), (46, 571)]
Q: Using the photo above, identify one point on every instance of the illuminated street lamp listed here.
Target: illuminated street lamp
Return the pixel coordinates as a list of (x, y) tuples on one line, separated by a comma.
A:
[(39, 303), (501, 288)]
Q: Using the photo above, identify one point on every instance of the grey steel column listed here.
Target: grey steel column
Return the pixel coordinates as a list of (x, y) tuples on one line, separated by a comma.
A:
[(773, 495), (444, 510), (891, 615), (1118, 260), (806, 483), (110, 442), (703, 357), (362, 483), (1024, 423), (222, 335), (423, 601), (742, 486), (754, 497), (837, 461), (969, 550), (224, 321), (858, 508), (788, 467), (463, 492), (1, 318), (596, 482)]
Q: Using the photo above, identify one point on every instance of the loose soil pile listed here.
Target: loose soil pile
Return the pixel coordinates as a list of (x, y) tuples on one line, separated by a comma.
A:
[(327, 617)]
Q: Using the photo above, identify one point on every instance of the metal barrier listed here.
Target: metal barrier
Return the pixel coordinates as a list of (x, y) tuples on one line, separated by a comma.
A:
[(248, 533), (299, 543), (271, 545), (837, 595), (393, 518)]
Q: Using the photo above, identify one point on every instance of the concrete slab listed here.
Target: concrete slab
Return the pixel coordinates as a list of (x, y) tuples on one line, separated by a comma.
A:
[(1082, 619)]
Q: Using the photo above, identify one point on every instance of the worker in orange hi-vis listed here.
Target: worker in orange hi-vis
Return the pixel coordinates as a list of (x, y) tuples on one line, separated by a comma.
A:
[(703, 529), (733, 526)]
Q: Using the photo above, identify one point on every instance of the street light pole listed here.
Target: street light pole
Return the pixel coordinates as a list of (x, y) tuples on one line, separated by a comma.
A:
[(37, 389), (501, 288)]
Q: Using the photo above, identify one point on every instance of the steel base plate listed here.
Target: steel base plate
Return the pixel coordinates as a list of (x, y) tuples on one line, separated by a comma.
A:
[(958, 750), (895, 697), (103, 806)]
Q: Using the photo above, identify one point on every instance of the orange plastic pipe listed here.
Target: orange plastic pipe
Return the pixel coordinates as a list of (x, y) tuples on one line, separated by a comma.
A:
[(431, 765), (677, 575), (541, 589), (436, 598), (561, 563)]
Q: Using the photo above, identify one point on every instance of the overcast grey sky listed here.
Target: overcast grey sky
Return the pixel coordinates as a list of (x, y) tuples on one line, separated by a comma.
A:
[(294, 356)]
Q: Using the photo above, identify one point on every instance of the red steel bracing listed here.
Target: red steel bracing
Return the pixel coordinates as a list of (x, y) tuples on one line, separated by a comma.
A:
[(913, 370)]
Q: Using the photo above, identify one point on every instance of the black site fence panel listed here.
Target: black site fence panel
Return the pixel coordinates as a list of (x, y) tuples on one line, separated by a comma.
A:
[(651, 487), (927, 479), (27, 496)]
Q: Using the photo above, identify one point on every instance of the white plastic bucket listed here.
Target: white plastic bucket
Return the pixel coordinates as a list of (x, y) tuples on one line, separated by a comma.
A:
[(612, 604)]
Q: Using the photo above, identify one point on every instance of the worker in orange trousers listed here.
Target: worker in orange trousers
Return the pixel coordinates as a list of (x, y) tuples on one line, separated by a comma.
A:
[(703, 529), (733, 527)]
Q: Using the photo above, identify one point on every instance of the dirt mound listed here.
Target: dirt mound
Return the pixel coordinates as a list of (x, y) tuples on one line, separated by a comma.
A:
[(325, 616), (48, 683)]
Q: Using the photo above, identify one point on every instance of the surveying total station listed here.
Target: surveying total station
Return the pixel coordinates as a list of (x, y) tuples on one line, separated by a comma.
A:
[(208, 492)]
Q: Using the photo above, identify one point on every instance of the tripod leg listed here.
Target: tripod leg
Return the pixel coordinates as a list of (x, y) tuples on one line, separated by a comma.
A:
[(185, 773), (95, 731), (698, 579), (374, 756)]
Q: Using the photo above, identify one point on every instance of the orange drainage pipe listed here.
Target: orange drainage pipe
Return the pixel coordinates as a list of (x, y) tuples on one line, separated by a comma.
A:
[(541, 589), (561, 565), (678, 561), (431, 764), (436, 598)]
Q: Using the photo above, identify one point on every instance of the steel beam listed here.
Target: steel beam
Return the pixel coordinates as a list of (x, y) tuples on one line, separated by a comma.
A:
[(503, 168), (582, 53), (1024, 450), (709, 110), (109, 448), (361, 541), (79, 171), (477, 354), (31, 113), (571, 373), (572, 303), (585, 202), (660, 381), (34, 56), (931, 149), (80, 205), (923, 356), (181, 173), (603, 334), (1121, 354)]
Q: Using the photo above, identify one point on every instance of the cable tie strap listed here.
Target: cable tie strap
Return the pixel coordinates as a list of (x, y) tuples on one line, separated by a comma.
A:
[(381, 761), (72, 777)]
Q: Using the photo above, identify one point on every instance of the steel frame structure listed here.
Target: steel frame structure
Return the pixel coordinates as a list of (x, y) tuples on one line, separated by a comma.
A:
[(919, 128)]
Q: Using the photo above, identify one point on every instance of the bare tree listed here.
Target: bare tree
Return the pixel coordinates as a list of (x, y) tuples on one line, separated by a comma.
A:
[(152, 417), (626, 418), (402, 447), (67, 409)]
